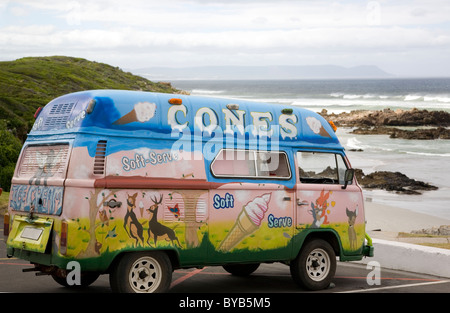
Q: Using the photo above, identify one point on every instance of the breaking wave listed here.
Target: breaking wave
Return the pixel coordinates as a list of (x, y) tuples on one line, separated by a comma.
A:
[(444, 98)]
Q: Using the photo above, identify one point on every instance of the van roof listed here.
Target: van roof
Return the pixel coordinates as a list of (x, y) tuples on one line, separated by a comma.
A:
[(160, 116)]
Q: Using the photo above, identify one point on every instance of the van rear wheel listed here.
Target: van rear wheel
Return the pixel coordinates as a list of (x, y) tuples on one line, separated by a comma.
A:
[(315, 266), (142, 272)]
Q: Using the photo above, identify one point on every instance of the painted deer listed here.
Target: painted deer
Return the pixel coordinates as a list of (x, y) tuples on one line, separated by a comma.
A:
[(351, 227), (156, 228), (131, 224)]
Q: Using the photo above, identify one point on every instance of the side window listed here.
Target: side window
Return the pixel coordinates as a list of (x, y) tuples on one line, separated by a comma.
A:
[(231, 163), (321, 168), (251, 164), (272, 164)]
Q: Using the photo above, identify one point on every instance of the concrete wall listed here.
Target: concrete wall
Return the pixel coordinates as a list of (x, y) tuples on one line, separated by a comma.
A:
[(411, 257)]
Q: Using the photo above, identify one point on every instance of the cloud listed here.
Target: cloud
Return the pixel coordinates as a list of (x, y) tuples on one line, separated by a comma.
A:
[(185, 15), (323, 38), (189, 31)]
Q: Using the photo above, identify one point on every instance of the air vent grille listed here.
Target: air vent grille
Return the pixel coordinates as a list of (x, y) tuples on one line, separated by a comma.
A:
[(62, 108), (59, 115), (100, 158)]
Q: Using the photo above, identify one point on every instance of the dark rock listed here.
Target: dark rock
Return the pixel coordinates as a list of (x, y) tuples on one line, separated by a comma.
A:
[(392, 181), (387, 117), (374, 130), (424, 134), (421, 134)]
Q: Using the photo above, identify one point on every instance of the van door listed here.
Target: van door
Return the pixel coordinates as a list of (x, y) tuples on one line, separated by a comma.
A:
[(251, 216), (38, 183), (322, 201), (37, 188)]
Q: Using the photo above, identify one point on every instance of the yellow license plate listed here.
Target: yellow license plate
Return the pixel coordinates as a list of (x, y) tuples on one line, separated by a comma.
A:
[(30, 234)]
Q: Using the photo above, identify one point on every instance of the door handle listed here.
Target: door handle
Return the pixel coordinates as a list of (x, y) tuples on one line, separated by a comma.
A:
[(302, 203), (113, 204)]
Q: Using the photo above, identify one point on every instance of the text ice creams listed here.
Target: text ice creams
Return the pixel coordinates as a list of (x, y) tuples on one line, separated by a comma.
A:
[(142, 112), (249, 220)]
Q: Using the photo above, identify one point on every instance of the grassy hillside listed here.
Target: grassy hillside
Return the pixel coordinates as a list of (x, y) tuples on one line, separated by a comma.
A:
[(28, 83), (4, 198)]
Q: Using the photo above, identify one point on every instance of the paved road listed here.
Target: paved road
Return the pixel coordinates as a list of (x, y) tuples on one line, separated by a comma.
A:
[(269, 278)]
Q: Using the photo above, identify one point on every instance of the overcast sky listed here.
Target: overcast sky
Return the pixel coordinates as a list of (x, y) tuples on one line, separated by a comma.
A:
[(402, 37)]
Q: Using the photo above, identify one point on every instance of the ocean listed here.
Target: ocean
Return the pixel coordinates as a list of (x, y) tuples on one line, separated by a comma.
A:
[(428, 161)]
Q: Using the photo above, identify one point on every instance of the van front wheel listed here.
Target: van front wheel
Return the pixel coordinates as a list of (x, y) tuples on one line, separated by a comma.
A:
[(315, 266), (143, 272)]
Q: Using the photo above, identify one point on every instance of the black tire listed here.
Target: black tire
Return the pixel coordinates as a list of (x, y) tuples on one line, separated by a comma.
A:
[(86, 278), (241, 269), (142, 272), (315, 265)]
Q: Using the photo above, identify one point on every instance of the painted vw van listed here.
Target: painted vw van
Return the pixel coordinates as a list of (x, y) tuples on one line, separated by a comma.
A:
[(137, 184)]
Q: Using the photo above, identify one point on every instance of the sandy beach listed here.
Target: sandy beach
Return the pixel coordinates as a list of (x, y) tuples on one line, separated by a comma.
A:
[(385, 222)]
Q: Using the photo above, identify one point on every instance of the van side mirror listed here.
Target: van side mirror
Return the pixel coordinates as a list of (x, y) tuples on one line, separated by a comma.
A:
[(348, 177)]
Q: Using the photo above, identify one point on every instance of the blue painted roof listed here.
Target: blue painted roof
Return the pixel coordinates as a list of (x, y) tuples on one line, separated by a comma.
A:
[(150, 115)]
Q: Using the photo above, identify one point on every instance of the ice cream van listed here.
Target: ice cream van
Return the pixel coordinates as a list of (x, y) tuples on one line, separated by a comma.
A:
[(138, 184)]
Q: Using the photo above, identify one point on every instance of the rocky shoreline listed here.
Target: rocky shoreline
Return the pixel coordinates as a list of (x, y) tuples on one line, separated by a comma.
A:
[(443, 230), (387, 122), (428, 125), (388, 117), (393, 132), (392, 181)]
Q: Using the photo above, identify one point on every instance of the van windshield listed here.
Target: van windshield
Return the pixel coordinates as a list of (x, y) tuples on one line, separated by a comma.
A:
[(321, 168)]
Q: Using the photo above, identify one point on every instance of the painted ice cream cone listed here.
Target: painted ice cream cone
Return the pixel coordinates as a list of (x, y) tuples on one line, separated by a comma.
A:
[(142, 112), (127, 118), (316, 126), (248, 221), (323, 132), (242, 228), (141, 208)]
